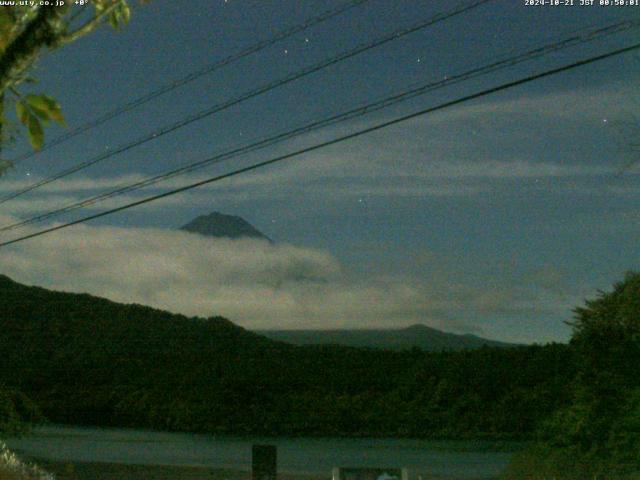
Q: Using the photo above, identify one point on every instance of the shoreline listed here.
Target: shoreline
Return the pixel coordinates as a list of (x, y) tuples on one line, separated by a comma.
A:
[(66, 470)]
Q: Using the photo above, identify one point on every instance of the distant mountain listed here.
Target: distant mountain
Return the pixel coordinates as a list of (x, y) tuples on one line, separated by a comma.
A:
[(420, 336), (217, 224)]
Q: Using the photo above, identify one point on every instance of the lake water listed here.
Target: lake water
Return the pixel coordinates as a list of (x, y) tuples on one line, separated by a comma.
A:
[(295, 455)]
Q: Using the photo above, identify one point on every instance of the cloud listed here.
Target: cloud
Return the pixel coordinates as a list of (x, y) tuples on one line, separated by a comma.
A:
[(461, 152), (253, 282), (579, 103), (457, 153), (332, 177), (261, 285), (79, 184)]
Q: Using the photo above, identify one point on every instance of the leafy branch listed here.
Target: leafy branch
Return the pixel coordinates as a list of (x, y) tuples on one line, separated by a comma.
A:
[(117, 13), (34, 110), (26, 32)]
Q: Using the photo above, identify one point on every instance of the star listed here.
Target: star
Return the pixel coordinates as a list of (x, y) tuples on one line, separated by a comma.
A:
[(286, 51), (418, 60), (306, 40), (604, 120)]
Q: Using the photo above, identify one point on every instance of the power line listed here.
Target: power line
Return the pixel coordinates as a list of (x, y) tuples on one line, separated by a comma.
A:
[(579, 37), (341, 139), (251, 94), (327, 15)]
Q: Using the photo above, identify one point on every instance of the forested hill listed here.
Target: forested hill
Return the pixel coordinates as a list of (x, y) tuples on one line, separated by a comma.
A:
[(415, 336), (87, 360), (54, 326)]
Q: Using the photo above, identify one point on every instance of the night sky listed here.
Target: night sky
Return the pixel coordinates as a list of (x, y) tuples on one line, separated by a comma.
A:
[(494, 217)]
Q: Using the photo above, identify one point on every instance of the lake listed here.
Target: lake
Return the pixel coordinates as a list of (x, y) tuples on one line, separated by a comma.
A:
[(295, 455)]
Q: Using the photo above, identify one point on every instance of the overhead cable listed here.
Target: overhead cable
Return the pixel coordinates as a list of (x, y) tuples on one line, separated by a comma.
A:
[(328, 143), (421, 89), (248, 95), (168, 87)]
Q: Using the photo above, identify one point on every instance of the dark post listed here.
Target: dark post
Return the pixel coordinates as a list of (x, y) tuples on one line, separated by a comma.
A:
[(264, 462)]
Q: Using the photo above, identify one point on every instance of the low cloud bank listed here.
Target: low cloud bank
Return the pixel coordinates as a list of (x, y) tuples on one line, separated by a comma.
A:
[(252, 282), (257, 284)]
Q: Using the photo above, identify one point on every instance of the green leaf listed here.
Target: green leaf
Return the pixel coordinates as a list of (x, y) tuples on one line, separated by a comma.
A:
[(22, 111), (36, 134), (126, 13), (99, 6), (113, 19), (120, 15), (37, 102), (46, 108)]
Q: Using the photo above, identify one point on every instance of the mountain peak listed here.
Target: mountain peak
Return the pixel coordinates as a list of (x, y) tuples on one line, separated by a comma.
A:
[(418, 327), (417, 335), (218, 224)]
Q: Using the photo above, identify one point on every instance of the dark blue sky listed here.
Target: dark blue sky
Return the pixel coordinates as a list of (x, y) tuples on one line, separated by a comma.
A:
[(505, 212)]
